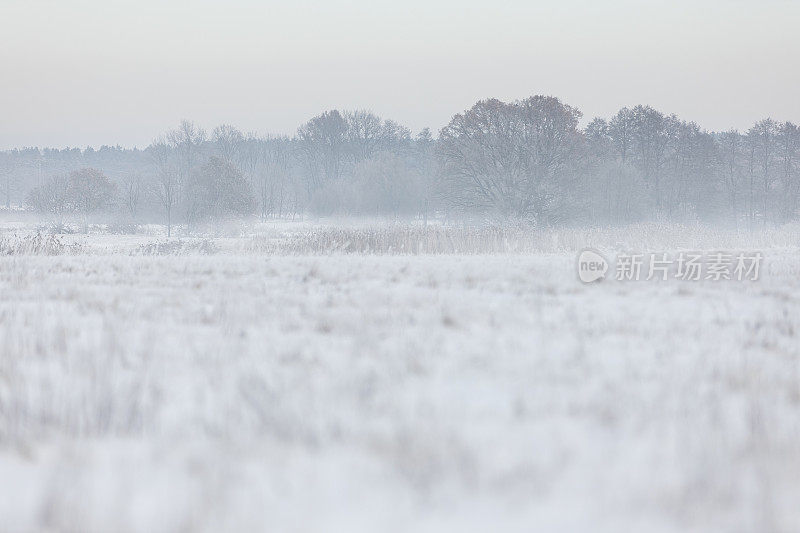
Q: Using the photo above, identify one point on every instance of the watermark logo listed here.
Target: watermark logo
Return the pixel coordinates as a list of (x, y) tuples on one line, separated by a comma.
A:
[(684, 266), (591, 266)]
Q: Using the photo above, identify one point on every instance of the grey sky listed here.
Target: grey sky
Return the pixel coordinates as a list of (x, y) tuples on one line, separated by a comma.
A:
[(95, 72)]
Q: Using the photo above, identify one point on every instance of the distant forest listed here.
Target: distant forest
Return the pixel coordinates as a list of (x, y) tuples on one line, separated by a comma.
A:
[(526, 160)]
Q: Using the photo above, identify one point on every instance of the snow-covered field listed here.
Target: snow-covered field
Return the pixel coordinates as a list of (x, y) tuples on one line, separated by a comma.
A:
[(242, 385)]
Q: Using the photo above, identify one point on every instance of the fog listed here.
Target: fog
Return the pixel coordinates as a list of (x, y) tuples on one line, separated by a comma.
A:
[(399, 266)]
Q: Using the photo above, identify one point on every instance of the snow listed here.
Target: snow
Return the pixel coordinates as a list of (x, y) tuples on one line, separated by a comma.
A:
[(250, 391)]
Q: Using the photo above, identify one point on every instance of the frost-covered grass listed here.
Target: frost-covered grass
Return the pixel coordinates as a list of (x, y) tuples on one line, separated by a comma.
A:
[(370, 237), (227, 387), (416, 239), (36, 244)]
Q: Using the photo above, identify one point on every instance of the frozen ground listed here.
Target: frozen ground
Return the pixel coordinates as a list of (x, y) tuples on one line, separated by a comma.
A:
[(233, 388)]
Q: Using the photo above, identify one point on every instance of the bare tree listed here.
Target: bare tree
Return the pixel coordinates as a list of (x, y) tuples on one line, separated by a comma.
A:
[(228, 142), (132, 189), (604, 179), (322, 146), (732, 172), (628, 194), (789, 158), (368, 134), (51, 197), (764, 147), (222, 191), (187, 142), (650, 139), (621, 130), (425, 162), (508, 158), (89, 191), (165, 184), (266, 165), (275, 177)]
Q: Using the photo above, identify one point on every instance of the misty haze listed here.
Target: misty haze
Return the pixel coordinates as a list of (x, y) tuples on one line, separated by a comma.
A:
[(358, 266)]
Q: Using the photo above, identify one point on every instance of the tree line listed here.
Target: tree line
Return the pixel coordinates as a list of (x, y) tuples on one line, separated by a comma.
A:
[(525, 160)]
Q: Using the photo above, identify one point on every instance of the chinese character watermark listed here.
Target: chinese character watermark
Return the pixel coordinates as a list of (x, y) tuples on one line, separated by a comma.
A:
[(683, 266)]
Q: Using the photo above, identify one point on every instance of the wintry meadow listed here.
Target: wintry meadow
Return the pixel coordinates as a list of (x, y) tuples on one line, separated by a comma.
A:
[(392, 377), (375, 266)]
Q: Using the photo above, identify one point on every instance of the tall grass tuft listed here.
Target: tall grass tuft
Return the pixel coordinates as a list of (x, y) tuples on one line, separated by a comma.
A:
[(37, 244)]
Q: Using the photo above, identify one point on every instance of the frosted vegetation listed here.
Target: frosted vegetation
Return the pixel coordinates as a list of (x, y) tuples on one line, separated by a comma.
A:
[(372, 376), (361, 328)]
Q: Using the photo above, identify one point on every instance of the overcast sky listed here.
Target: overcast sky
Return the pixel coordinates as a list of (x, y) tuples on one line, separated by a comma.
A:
[(93, 72)]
